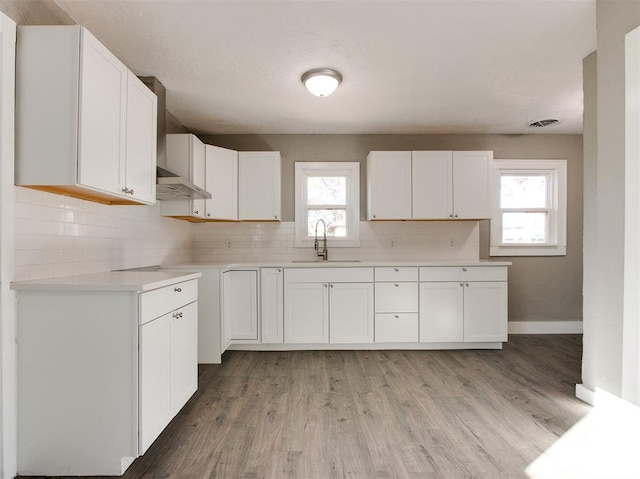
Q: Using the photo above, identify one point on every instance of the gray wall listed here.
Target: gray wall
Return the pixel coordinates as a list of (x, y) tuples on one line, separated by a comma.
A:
[(540, 288)]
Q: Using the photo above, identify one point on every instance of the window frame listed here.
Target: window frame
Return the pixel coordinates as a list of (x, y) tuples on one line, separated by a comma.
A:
[(348, 169), (556, 234)]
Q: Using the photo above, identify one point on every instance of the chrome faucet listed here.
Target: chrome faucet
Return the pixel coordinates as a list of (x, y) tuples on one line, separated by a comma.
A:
[(324, 253)]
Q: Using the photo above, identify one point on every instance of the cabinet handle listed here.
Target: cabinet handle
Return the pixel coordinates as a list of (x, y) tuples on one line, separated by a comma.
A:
[(177, 315), (178, 290), (464, 269)]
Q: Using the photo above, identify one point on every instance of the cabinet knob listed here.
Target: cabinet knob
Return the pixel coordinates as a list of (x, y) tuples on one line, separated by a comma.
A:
[(332, 286), (325, 285), (466, 284), (464, 269), (276, 216), (396, 285), (396, 269), (396, 316), (279, 270), (208, 214), (178, 290), (125, 191), (131, 191), (196, 212), (451, 216), (177, 315), (374, 216), (461, 284), (455, 216)]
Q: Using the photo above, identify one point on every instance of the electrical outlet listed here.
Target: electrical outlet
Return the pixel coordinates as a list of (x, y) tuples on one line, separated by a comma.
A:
[(393, 242), (228, 244)]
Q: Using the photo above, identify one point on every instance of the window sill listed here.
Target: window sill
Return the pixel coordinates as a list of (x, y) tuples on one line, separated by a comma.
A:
[(528, 250)]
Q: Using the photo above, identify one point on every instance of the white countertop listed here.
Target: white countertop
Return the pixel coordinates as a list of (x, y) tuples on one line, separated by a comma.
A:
[(138, 281), (330, 264)]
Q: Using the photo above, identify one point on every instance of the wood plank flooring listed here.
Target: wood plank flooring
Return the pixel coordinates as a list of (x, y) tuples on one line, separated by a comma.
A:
[(374, 414)]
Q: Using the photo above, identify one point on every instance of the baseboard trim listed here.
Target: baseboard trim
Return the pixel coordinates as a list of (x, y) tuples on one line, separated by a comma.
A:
[(585, 394), (545, 327)]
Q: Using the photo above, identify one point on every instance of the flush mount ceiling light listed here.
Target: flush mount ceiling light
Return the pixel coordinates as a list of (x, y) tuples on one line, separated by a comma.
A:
[(542, 123), (321, 81)]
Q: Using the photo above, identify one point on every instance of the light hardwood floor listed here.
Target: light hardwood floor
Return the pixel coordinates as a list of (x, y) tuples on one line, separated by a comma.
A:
[(374, 414)]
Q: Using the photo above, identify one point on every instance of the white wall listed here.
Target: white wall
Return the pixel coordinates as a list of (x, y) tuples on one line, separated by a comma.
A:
[(604, 276)]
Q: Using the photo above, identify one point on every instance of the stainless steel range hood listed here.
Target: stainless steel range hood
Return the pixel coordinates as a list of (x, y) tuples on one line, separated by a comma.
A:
[(169, 186)]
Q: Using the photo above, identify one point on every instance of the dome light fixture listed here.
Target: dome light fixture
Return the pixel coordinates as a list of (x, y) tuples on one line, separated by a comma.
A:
[(321, 81)]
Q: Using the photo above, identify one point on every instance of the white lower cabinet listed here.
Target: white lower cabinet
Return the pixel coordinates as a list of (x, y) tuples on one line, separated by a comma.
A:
[(240, 305), (474, 311), (306, 313), (101, 370), (271, 305), (396, 291), (168, 373), (328, 305)]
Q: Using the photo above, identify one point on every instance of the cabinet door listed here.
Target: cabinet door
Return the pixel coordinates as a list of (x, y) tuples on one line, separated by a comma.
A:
[(141, 141), (441, 312), (240, 304), (101, 136), (155, 379), (259, 185), (198, 175), (389, 185), (271, 305), (432, 178), (306, 313), (485, 311), (351, 313), (184, 355), (221, 180), (471, 184)]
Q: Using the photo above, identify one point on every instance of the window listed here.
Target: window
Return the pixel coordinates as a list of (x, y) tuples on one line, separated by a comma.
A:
[(530, 208), (329, 192)]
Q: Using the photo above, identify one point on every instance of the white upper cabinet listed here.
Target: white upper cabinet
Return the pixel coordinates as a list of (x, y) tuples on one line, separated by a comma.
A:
[(450, 184), (471, 184), (432, 179), (259, 185), (389, 180), (85, 125), (186, 158), (428, 185), (222, 183)]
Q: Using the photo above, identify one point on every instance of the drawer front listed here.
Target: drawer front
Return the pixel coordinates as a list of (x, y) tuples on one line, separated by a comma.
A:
[(463, 273), (396, 297), (396, 273), (396, 328), (328, 275), (161, 301)]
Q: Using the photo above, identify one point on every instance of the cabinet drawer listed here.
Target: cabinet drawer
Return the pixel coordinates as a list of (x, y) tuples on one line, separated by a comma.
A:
[(396, 328), (463, 273), (397, 273), (396, 297), (163, 300), (328, 275)]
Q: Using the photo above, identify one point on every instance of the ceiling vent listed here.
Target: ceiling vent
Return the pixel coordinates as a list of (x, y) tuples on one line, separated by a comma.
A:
[(543, 123)]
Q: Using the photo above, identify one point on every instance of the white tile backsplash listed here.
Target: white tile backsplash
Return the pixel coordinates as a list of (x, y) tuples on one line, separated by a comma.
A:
[(59, 236), (428, 240)]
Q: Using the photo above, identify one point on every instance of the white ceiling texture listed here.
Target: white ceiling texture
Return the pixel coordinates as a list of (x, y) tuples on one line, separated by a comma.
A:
[(420, 67)]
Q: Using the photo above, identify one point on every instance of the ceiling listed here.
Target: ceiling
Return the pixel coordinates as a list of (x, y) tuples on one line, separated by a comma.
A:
[(419, 67)]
